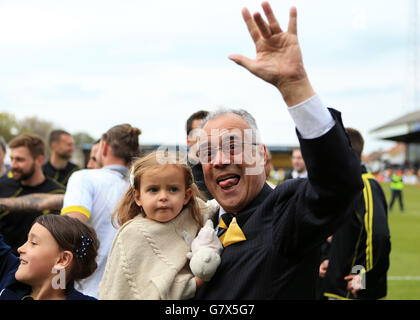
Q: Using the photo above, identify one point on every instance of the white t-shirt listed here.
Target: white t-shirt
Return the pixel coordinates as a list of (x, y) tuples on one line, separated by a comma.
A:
[(96, 193)]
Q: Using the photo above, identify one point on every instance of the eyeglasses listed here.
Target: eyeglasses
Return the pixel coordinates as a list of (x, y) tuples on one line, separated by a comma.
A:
[(207, 152)]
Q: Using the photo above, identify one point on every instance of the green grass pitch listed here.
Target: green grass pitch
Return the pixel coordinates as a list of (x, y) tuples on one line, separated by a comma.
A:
[(404, 270)]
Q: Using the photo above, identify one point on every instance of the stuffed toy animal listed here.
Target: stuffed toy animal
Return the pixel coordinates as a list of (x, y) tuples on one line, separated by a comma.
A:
[(205, 252)]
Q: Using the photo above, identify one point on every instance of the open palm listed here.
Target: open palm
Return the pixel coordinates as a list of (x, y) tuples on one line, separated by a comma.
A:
[(279, 59)]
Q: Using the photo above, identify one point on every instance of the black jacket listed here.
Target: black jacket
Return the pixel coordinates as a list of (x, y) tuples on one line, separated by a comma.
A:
[(60, 176), (364, 241)]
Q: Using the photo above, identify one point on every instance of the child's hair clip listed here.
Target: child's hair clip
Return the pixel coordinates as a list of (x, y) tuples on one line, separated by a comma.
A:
[(132, 177), (86, 241)]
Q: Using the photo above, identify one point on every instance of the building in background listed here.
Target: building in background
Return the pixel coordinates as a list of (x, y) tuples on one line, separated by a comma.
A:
[(404, 130)]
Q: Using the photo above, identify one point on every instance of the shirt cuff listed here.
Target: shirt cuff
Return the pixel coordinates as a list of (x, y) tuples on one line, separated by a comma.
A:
[(312, 118)]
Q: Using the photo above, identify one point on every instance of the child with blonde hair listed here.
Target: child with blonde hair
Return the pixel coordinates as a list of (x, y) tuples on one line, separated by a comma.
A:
[(159, 215), (59, 251)]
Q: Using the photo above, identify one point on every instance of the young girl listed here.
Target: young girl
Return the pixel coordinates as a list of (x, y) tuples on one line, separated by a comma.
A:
[(59, 251), (158, 214)]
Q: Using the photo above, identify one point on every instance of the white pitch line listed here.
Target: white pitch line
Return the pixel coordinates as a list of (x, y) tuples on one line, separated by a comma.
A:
[(404, 278)]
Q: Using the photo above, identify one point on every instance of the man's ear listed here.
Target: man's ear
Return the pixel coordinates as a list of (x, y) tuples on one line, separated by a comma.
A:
[(264, 152), (188, 195), (64, 260), (105, 149), (40, 160)]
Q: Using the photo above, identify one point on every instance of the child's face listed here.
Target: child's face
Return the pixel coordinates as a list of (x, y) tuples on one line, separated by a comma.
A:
[(162, 193), (38, 255)]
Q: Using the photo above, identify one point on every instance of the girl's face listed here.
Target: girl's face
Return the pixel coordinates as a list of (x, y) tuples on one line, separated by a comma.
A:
[(162, 193), (38, 255)]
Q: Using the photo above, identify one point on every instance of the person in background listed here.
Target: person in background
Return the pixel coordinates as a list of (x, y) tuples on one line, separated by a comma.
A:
[(397, 187), (193, 132), (4, 168), (26, 159), (92, 195), (42, 201), (93, 163), (358, 258), (58, 167), (298, 164)]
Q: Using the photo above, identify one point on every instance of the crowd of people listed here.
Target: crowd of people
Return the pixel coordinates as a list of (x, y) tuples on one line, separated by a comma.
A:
[(130, 227)]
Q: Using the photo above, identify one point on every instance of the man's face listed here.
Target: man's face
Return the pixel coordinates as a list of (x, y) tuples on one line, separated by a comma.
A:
[(297, 161), (64, 147), (99, 154), (234, 180), (93, 161), (22, 164), (193, 135)]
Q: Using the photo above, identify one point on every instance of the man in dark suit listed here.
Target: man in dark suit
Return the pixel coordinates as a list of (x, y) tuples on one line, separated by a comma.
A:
[(266, 233)]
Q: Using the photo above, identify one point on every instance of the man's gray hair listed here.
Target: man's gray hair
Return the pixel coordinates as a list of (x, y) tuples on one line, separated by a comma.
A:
[(249, 119)]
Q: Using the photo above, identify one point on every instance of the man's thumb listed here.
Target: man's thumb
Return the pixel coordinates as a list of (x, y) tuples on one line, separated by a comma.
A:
[(241, 60)]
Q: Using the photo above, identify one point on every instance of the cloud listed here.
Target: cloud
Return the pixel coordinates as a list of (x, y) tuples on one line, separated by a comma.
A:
[(88, 65)]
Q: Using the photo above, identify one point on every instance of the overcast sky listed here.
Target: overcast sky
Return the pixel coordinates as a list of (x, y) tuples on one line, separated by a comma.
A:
[(88, 65)]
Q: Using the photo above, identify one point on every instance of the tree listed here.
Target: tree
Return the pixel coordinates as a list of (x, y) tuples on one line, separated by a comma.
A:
[(82, 138), (8, 126), (37, 126)]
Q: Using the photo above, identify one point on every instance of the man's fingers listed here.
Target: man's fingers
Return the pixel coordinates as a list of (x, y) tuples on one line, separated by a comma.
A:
[(252, 27), (273, 23), (262, 25), (292, 21)]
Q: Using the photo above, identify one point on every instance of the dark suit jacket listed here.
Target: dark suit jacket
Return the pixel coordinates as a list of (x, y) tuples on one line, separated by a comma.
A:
[(283, 226)]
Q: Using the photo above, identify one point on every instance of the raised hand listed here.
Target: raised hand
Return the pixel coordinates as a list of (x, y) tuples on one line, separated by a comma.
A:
[(279, 58)]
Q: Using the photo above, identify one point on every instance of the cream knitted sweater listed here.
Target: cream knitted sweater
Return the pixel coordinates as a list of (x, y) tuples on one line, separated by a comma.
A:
[(147, 260)]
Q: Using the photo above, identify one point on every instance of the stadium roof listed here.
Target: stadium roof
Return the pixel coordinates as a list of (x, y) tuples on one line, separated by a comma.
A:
[(409, 118), (412, 137), (407, 129)]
